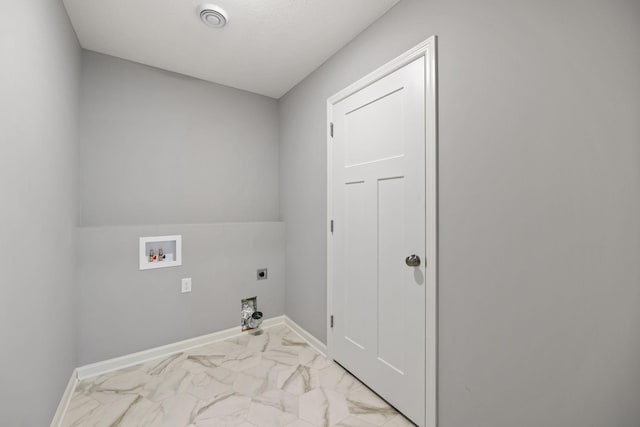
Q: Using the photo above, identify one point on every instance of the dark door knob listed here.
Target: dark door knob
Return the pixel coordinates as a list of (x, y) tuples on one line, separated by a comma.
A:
[(413, 260)]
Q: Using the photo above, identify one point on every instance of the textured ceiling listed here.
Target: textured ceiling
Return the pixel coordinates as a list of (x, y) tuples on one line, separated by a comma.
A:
[(267, 47)]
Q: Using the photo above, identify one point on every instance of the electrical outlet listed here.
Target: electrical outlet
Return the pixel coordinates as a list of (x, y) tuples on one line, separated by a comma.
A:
[(186, 285), (261, 274)]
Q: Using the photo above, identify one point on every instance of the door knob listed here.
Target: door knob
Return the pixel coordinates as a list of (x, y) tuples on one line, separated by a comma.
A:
[(413, 260)]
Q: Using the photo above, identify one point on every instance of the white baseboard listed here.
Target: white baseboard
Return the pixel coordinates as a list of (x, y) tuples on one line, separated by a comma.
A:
[(314, 342), (122, 362), (66, 398)]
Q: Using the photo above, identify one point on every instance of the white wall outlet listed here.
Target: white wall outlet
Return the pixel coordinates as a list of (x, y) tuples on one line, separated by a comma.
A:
[(186, 285)]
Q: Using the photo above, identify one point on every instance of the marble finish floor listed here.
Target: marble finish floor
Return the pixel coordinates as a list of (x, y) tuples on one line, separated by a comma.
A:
[(273, 379)]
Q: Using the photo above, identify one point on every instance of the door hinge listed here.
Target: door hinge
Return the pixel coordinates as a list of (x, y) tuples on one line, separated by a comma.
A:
[(332, 320), (331, 130), (331, 226)]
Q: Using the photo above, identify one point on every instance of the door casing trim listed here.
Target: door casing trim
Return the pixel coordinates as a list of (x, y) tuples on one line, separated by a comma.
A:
[(426, 49)]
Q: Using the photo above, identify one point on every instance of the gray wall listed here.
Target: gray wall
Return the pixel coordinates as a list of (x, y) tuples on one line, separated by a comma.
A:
[(122, 310), (38, 107), (539, 157), (162, 148)]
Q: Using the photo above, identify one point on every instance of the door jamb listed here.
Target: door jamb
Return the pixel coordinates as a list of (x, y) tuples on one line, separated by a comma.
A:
[(426, 49)]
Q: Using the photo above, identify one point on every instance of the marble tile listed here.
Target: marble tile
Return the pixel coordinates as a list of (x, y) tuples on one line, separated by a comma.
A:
[(160, 366), (334, 377), (273, 379), (142, 413), (220, 349), (258, 342), (274, 408), (176, 410), (200, 363), (302, 380), (399, 421), (322, 407), (242, 359), (249, 385), (282, 355), (127, 382), (299, 423), (164, 386), (368, 407), (204, 386), (103, 415), (279, 399), (227, 410), (80, 406), (352, 421), (311, 358)]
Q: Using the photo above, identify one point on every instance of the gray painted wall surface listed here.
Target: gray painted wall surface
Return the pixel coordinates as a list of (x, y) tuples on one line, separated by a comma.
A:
[(122, 310), (38, 107), (539, 162), (162, 148)]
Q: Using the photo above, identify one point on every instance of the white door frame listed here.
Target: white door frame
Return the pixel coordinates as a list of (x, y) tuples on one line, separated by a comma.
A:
[(426, 49)]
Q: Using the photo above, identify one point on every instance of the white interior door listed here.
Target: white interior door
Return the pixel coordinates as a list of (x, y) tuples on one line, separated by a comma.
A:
[(378, 208)]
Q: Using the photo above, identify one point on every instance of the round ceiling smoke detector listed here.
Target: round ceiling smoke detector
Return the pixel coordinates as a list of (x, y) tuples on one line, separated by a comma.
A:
[(213, 16)]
